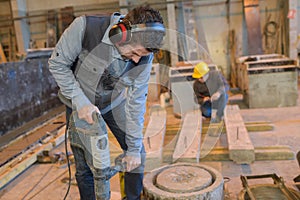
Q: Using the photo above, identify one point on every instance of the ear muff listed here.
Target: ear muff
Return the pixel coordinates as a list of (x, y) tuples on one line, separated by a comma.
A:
[(121, 33)]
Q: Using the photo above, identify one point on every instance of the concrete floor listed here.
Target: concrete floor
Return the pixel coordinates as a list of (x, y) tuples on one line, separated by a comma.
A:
[(44, 181)]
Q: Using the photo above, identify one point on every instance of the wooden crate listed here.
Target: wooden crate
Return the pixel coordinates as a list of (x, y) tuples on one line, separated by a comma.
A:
[(268, 81)]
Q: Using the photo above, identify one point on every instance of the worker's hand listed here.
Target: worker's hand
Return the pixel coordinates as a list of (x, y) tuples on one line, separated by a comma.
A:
[(215, 96), (131, 162), (206, 99), (86, 113)]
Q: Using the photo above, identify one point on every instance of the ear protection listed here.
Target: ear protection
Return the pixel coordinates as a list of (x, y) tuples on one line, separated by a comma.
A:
[(122, 32)]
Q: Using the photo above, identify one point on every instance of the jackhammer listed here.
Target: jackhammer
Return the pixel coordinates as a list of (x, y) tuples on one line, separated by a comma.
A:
[(93, 139)]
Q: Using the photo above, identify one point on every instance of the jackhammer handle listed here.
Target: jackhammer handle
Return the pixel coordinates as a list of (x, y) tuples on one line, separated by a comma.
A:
[(119, 166), (113, 171), (96, 116)]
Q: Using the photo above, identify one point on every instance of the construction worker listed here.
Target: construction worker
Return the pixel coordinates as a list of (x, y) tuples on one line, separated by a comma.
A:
[(102, 64), (210, 88)]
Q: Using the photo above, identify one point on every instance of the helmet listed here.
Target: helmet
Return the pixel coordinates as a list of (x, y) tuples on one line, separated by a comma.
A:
[(200, 70)]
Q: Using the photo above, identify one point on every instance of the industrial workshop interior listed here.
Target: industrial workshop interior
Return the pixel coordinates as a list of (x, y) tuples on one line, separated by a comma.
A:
[(252, 152)]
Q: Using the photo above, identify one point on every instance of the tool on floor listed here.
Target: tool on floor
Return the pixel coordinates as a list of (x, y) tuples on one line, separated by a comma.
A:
[(93, 138)]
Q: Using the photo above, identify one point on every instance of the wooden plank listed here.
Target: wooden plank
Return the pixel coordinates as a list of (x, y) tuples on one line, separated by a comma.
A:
[(2, 55), (15, 167), (250, 126), (272, 67), (262, 153), (171, 14), (154, 138), (26, 140), (259, 57), (252, 16), (241, 149), (188, 143), (259, 127), (233, 64), (274, 153), (59, 138), (273, 60)]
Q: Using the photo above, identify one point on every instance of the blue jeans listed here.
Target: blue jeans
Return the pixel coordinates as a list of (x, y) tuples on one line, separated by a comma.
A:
[(206, 109), (116, 121), (219, 105)]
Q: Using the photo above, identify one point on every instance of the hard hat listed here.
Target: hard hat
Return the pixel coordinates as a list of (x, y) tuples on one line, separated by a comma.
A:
[(200, 70)]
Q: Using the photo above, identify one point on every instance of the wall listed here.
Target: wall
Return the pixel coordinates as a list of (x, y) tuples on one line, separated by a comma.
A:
[(217, 20), (26, 91), (38, 5), (213, 22)]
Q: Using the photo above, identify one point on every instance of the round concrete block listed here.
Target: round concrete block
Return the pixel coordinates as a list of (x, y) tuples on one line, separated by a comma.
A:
[(188, 181)]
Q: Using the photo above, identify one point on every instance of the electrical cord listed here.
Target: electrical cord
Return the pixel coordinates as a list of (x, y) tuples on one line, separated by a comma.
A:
[(69, 170), (68, 161)]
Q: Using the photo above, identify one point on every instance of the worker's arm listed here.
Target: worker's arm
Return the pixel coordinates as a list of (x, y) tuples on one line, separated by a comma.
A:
[(135, 109), (199, 95), (65, 53), (221, 84)]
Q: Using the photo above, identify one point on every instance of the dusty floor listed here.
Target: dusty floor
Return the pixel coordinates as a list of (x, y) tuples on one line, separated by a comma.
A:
[(45, 181)]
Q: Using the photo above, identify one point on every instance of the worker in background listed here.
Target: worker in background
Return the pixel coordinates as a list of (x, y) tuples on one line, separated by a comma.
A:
[(210, 88), (102, 64)]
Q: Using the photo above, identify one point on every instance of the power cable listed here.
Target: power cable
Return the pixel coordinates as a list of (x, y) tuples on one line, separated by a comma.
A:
[(69, 171), (68, 160)]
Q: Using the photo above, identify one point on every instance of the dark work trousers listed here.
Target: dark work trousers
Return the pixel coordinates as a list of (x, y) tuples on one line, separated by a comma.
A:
[(219, 105), (116, 121)]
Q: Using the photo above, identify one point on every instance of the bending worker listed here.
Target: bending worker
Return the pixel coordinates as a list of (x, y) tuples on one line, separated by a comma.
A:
[(210, 88), (102, 64)]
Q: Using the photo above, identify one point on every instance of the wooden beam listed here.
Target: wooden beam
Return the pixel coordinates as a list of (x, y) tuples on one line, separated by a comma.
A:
[(188, 143), (292, 27), (241, 149), (2, 55), (255, 126), (262, 153), (15, 167), (172, 37), (252, 16), (154, 138)]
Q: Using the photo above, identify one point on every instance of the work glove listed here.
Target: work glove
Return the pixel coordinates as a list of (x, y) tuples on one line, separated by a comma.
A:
[(86, 113), (215, 96), (131, 162)]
